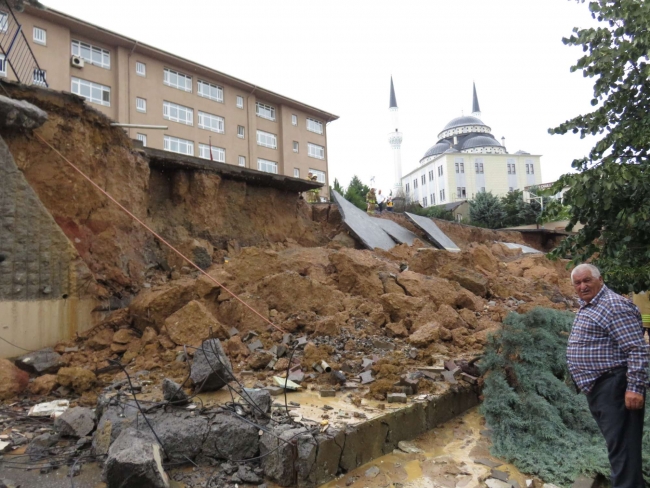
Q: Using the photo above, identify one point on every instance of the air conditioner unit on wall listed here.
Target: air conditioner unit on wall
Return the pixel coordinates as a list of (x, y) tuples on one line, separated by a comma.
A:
[(76, 62)]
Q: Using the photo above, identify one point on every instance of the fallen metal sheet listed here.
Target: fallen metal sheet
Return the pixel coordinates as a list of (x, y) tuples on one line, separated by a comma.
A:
[(361, 225), (524, 249), (396, 231), (437, 237)]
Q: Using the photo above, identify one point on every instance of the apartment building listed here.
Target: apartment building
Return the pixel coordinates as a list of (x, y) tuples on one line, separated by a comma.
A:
[(209, 114)]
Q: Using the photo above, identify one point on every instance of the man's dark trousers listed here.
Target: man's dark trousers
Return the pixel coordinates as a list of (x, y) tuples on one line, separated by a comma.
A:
[(622, 428)]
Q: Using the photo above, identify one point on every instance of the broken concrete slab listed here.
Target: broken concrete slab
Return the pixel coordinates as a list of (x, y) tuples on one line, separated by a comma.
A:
[(524, 249), (487, 462), (433, 232), (362, 226), (396, 231), (20, 114), (259, 399), (211, 368), (366, 377), (396, 397), (173, 393), (500, 475), (279, 454), (231, 438), (45, 361), (449, 377), (134, 460), (75, 422)]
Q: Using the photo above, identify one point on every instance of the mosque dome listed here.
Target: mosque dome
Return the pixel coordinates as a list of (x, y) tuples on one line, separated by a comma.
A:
[(480, 141), (438, 148), (463, 121)]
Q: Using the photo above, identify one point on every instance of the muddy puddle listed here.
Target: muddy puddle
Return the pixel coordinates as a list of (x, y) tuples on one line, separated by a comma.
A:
[(447, 459)]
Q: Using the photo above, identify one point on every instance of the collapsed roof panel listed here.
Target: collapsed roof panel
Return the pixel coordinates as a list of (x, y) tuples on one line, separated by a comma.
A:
[(524, 249), (433, 232), (362, 226), (396, 231)]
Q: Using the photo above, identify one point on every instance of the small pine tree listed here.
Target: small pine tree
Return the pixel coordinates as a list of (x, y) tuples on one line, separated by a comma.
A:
[(487, 210), (356, 193)]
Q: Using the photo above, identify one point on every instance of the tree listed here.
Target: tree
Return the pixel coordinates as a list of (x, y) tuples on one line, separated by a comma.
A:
[(486, 210), (435, 212), (337, 188), (518, 211), (610, 194), (356, 193)]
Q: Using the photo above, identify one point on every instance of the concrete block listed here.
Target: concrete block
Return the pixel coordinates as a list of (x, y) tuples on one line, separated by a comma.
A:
[(396, 398), (433, 232), (362, 227)]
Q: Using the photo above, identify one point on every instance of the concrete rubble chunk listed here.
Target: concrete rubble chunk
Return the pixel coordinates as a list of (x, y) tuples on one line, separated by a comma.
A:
[(75, 422), (40, 446), (134, 460), (173, 392), (408, 447), (211, 368), (487, 462), (500, 475), (372, 472), (396, 231), (396, 397), (20, 114), (259, 399), (45, 361), (181, 435), (246, 474), (366, 377), (279, 454), (231, 438)]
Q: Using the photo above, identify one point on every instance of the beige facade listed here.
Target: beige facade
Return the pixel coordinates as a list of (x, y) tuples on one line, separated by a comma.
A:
[(138, 84), (456, 176)]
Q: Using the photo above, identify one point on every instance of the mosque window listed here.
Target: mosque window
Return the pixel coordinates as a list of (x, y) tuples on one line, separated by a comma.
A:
[(433, 199), (424, 179), (407, 188), (415, 183), (431, 175), (424, 201)]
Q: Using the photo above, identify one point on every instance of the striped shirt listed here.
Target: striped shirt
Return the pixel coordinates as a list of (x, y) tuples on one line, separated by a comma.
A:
[(607, 334)]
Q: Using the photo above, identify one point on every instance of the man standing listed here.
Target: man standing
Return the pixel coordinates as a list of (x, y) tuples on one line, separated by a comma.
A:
[(608, 360), (380, 201)]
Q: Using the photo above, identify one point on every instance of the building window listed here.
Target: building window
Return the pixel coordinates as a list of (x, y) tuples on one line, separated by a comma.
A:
[(527, 169), (208, 90), (320, 175), (457, 168), (424, 202), (415, 183), (240, 101), (314, 126), (295, 146), (142, 138), (141, 105), (241, 132), (40, 36), (433, 199), (442, 196), (315, 151), (3, 65), (4, 21), (211, 122), (140, 69), (424, 179), (177, 80), (296, 173), (39, 77), (407, 188), (93, 92), (218, 153), (510, 189), (92, 54), (265, 111), (242, 161), (431, 175), (294, 119), (180, 146), (462, 167), (267, 139), (478, 166), (178, 113), (267, 166), (439, 170)]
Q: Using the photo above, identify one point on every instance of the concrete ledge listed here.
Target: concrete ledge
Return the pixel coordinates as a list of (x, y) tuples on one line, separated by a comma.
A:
[(168, 160), (361, 443)]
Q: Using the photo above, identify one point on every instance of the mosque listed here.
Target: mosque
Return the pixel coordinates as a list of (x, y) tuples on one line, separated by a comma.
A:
[(465, 160)]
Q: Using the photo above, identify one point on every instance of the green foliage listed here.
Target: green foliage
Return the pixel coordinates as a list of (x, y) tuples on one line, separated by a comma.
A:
[(437, 212), (519, 212), (539, 422), (487, 210), (337, 188), (554, 211), (610, 194), (356, 193)]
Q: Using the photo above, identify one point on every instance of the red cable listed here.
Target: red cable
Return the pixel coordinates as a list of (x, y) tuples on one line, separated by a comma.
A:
[(155, 234)]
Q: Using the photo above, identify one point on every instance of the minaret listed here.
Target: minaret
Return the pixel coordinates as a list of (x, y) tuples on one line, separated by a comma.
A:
[(395, 141), (476, 110)]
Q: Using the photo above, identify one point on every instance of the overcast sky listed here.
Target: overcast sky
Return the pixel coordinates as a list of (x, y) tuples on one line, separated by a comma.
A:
[(338, 55)]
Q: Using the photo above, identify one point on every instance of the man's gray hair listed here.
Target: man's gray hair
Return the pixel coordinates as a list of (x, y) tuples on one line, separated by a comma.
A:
[(595, 272)]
